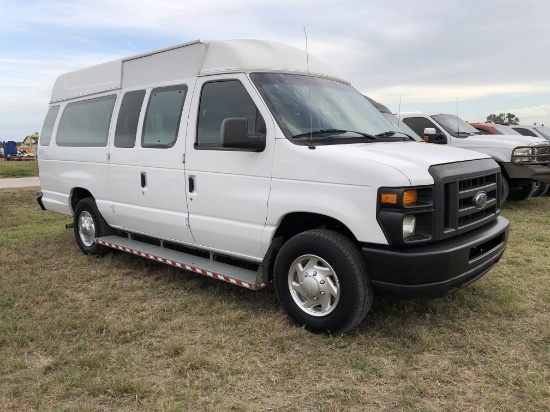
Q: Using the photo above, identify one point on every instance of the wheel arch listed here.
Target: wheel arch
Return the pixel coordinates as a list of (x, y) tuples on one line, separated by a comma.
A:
[(298, 222), (294, 223), (77, 194)]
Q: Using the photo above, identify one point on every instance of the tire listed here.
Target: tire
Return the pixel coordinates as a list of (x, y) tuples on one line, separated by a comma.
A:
[(539, 189), (521, 193), (88, 225), (504, 189), (335, 275)]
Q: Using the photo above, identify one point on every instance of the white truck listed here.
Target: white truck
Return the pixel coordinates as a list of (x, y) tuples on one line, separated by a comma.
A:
[(523, 160), (250, 162)]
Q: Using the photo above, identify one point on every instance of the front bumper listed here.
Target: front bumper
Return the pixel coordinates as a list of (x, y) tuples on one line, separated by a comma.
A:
[(437, 269), (540, 173)]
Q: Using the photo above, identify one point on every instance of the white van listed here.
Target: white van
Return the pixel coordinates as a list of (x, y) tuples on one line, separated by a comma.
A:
[(241, 161)]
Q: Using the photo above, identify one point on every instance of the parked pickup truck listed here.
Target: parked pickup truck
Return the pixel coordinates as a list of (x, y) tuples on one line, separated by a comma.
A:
[(523, 160), (252, 163), (540, 189)]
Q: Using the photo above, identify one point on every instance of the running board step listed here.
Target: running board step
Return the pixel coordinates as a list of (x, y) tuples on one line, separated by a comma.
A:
[(217, 270)]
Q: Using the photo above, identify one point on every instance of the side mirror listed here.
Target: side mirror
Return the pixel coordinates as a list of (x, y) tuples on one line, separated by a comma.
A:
[(431, 136), (234, 135)]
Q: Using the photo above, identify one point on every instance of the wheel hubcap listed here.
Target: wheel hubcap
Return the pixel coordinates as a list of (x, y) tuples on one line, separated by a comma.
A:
[(313, 285), (86, 228)]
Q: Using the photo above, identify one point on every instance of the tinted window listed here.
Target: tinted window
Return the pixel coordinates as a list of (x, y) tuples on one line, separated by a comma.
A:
[(162, 119), (418, 124), (128, 116), (222, 100), (525, 132), (86, 123), (47, 129), (483, 131)]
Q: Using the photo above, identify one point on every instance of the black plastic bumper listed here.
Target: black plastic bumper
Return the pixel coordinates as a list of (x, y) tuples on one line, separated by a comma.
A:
[(437, 269), (540, 173)]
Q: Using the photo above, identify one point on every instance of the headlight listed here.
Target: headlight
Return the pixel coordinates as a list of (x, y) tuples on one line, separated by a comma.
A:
[(409, 226), (521, 154), (406, 214)]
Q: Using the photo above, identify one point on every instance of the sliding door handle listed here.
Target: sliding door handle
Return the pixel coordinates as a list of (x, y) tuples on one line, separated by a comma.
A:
[(191, 184)]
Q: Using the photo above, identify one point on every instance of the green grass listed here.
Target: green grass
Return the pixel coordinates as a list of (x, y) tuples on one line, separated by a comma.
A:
[(122, 333), (18, 169)]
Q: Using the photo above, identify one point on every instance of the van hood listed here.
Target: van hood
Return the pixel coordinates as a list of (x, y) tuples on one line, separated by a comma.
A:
[(401, 163)]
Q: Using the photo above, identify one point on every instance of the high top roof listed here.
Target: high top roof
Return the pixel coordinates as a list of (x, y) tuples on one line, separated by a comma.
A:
[(188, 60)]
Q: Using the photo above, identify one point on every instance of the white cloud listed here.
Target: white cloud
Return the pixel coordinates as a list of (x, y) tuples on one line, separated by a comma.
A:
[(446, 93), (530, 115)]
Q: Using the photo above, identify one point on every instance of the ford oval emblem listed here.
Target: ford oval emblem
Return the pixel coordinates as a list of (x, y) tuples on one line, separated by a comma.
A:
[(480, 200)]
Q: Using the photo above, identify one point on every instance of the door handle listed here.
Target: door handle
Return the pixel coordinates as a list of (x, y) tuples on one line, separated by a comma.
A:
[(191, 184), (143, 180)]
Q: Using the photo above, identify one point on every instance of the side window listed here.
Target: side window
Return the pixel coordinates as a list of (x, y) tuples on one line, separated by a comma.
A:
[(163, 116), (418, 124), (222, 100), (86, 123), (128, 116), (525, 132), (47, 129), (483, 131)]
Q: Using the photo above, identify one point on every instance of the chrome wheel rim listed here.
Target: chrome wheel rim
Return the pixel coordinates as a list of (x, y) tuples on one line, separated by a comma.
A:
[(86, 228), (313, 285)]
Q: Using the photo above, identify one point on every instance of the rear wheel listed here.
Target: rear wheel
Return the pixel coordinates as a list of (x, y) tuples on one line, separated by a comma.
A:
[(89, 225), (539, 189), (321, 281), (520, 193)]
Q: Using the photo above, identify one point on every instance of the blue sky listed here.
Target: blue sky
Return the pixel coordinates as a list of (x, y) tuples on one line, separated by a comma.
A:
[(477, 57)]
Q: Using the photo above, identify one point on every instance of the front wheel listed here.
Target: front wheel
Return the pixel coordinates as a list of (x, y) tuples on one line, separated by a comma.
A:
[(89, 225), (321, 281), (504, 189)]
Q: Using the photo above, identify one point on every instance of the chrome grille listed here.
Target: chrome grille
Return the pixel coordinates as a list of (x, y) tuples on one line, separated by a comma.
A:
[(542, 154)]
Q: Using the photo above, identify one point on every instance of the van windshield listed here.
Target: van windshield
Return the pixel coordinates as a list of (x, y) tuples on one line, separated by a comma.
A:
[(326, 111), (455, 126)]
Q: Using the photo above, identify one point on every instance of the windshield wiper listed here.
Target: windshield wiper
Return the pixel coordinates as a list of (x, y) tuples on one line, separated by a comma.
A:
[(390, 133), (384, 134), (463, 134), (321, 131), (334, 131)]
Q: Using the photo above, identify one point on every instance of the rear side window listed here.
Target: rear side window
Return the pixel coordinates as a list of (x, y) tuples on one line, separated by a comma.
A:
[(163, 116), (128, 117), (47, 129), (86, 123), (525, 132)]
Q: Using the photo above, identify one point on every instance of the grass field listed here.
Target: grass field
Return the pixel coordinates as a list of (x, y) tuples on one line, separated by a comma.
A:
[(123, 333), (18, 169)]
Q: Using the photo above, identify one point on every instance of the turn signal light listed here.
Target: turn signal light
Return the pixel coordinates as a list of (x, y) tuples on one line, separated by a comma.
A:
[(388, 198), (410, 197)]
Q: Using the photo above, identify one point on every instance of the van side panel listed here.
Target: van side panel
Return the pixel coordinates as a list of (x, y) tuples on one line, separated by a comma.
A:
[(79, 163)]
